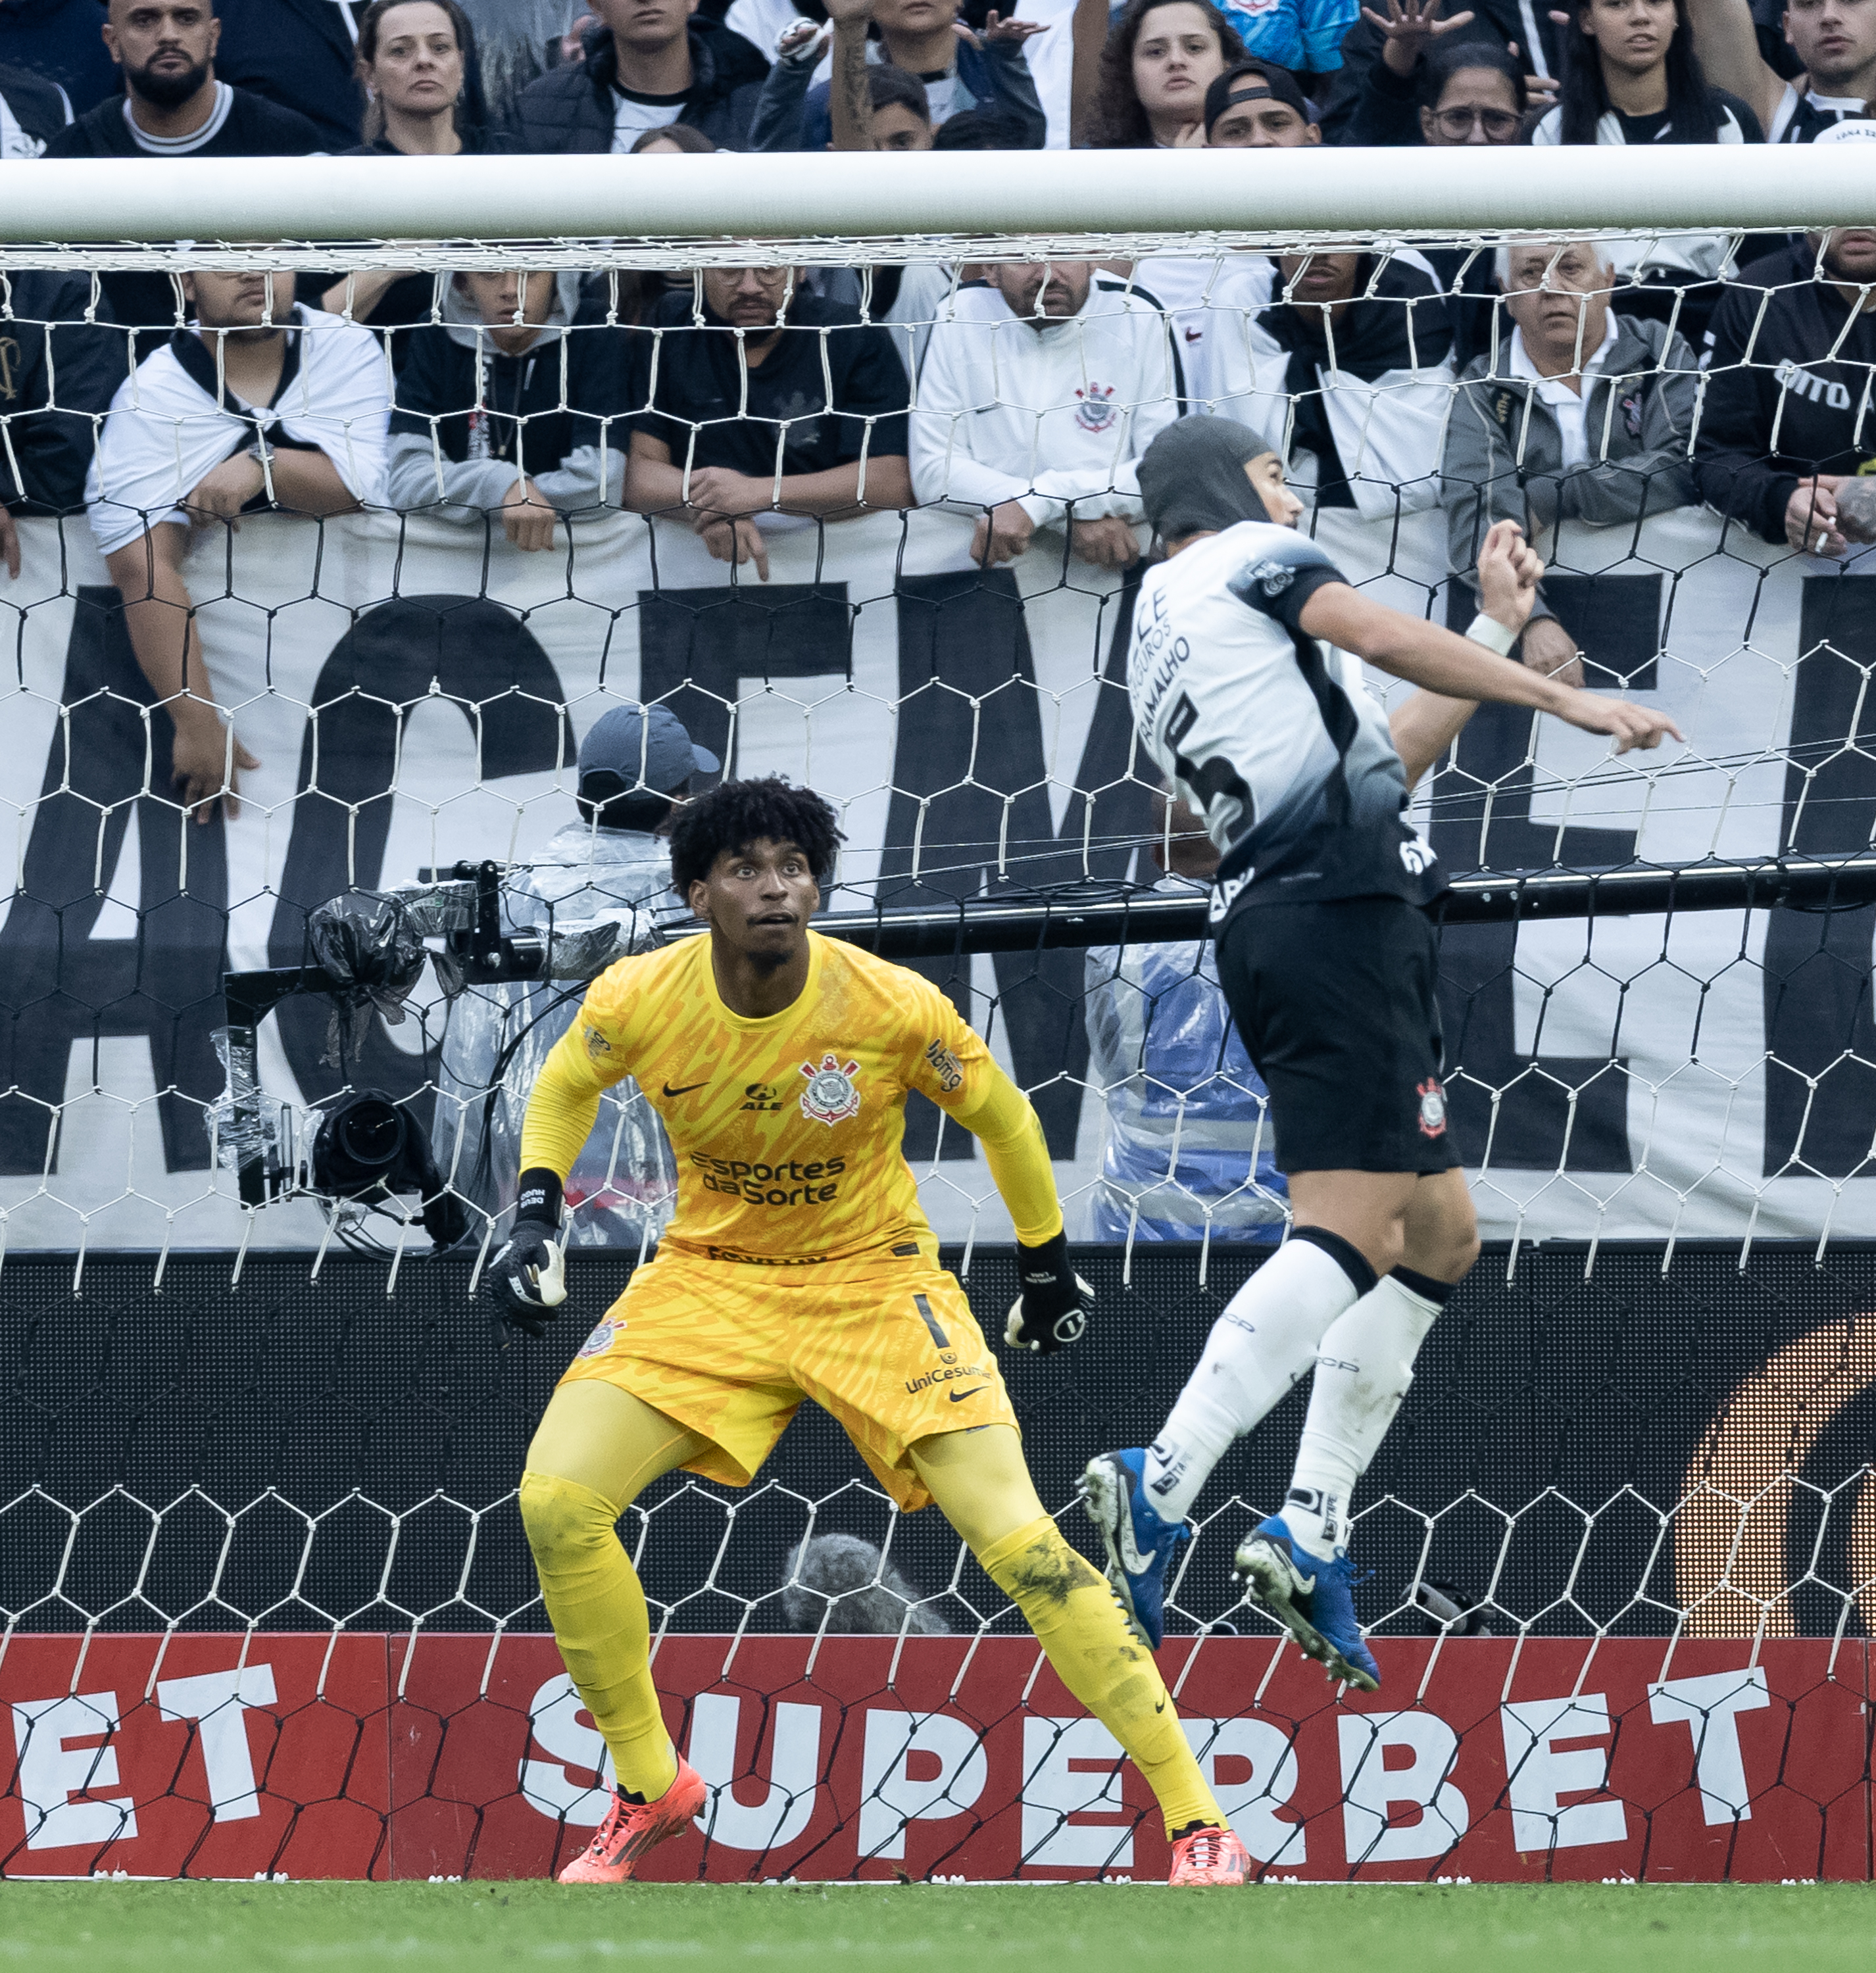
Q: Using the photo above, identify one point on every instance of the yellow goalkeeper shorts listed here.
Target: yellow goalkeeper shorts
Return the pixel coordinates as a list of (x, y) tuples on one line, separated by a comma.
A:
[(887, 1343)]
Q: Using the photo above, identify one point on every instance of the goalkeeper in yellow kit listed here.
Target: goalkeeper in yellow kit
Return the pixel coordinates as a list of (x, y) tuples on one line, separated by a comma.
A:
[(798, 1265)]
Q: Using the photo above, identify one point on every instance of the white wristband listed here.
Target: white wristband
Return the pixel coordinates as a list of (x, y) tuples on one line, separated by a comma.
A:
[(1488, 631)]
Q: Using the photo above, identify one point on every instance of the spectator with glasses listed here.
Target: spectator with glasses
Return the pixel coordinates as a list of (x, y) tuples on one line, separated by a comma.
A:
[(1430, 88)]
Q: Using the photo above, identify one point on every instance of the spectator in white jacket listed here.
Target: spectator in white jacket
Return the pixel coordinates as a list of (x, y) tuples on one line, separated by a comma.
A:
[(258, 406), (1352, 365), (1038, 393)]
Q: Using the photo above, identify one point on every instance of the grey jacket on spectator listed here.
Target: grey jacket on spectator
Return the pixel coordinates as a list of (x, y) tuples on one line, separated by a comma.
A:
[(1504, 452), (571, 108)]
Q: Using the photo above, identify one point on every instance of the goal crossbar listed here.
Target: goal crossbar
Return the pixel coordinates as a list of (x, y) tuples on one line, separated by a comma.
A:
[(422, 212)]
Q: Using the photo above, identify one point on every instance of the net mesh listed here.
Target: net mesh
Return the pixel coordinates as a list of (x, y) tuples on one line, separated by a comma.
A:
[(278, 1494)]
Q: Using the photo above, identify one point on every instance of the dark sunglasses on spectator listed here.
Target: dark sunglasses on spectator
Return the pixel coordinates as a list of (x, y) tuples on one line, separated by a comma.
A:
[(1457, 123)]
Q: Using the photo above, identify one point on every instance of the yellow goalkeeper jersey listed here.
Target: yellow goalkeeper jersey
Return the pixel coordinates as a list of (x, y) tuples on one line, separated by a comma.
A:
[(787, 1128)]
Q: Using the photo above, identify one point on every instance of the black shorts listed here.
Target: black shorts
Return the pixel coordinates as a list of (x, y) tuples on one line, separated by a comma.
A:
[(1338, 1006)]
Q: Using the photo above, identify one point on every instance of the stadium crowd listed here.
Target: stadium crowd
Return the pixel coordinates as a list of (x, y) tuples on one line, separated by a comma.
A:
[(1546, 382)]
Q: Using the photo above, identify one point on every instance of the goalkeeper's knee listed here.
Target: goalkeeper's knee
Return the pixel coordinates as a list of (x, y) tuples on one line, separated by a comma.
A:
[(567, 1526)]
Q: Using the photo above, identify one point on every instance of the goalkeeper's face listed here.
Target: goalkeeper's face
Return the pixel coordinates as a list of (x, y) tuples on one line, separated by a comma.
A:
[(758, 900)]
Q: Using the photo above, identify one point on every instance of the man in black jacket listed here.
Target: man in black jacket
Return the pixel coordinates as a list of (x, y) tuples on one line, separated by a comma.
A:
[(173, 106), (651, 63), (33, 111), (301, 54), (48, 350), (1785, 420)]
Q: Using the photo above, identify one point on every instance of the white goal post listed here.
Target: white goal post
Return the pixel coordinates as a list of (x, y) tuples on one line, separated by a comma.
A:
[(689, 210)]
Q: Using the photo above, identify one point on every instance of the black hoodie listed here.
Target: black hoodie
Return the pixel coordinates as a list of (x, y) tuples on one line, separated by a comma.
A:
[(1769, 373), (571, 108)]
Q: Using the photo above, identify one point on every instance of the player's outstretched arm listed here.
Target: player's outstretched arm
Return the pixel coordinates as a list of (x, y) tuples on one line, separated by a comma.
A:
[(1455, 667), (1053, 1306), (1509, 570), (528, 1276)]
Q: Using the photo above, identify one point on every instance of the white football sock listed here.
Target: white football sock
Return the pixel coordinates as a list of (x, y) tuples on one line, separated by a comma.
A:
[(1364, 1364), (1259, 1349)]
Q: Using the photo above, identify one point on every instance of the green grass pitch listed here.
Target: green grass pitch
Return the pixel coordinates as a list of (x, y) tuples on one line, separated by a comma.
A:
[(105, 1927)]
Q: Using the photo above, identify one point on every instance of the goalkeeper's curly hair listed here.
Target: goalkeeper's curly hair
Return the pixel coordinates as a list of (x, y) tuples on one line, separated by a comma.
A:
[(734, 814)]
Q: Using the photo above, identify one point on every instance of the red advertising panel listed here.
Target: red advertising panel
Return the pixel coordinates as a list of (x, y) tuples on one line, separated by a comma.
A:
[(470, 1755), (202, 1756)]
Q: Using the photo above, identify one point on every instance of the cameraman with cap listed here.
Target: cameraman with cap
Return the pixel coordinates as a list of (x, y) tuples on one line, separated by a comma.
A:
[(594, 892)]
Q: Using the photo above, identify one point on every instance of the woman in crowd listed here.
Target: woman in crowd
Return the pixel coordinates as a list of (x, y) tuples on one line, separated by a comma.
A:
[(1631, 77), (413, 62), (1159, 61), (1425, 90), (1429, 88)]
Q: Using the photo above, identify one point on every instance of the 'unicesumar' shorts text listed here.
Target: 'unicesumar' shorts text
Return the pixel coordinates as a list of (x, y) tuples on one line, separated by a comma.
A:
[(886, 1342)]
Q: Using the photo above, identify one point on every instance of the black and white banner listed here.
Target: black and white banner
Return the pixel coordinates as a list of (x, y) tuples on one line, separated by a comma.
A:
[(415, 696)]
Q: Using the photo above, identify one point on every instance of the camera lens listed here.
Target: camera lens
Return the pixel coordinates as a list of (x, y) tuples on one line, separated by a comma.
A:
[(370, 1133)]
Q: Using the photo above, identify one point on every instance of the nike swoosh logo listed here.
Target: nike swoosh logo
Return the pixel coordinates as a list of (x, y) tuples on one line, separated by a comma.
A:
[(958, 1397), (687, 1088)]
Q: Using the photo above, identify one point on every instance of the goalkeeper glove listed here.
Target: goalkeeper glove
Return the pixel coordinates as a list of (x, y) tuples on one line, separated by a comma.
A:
[(527, 1277), (1055, 1303)]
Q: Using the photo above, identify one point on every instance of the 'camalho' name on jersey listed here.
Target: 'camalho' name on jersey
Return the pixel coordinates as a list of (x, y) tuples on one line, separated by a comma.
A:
[(1269, 734), (786, 1128)]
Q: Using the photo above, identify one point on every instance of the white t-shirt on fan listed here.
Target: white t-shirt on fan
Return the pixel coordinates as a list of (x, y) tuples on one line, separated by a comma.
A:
[(632, 115)]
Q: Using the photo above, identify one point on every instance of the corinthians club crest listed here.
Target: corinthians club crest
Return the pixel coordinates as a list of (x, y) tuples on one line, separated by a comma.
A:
[(830, 1097)]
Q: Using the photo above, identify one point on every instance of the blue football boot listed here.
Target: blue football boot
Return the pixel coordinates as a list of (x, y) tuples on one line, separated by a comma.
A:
[(1314, 1601), (1140, 1546)]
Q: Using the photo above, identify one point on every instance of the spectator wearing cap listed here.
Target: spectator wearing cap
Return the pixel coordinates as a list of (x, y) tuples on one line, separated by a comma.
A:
[(58, 40), (1789, 356), (961, 68), (1252, 105), (33, 112), (1187, 1150), (766, 408), (1039, 391), (646, 64), (596, 889), (508, 411), (1352, 366), (1585, 415), (60, 368), (1257, 106), (174, 106)]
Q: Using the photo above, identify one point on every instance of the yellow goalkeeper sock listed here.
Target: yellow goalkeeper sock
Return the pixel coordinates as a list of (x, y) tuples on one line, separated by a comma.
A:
[(597, 1610), (1079, 1623)]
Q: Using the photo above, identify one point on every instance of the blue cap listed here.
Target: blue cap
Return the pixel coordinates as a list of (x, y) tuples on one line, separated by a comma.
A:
[(634, 747)]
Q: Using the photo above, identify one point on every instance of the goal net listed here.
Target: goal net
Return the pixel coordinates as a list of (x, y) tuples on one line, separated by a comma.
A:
[(814, 495)]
